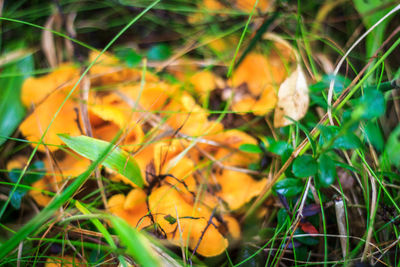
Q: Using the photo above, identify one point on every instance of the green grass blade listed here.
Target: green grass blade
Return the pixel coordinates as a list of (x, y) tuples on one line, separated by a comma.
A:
[(118, 160), (11, 109), (98, 224), (137, 245)]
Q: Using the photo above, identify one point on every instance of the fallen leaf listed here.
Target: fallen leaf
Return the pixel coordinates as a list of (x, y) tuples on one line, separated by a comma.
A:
[(308, 228), (293, 99)]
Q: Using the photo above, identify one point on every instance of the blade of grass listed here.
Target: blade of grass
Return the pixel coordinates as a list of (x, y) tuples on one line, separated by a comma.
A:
[(96, 222), (137, 245), (107, 236), (118, 160)]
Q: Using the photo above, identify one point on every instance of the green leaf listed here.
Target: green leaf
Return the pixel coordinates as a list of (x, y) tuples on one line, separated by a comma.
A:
[(301, 253), (28, 179), (248, 255), (341, 82), (304, 166), (279, 147), (82, 208), (308, 240), (159, 52), (282, 216), (347, 140), (374, 135), (289, 187), (370, 105), (129, 56), (392, 147), (372, 11), (11, 109), (117, 160), (16, 198), (136, 244), (250, 148), (326, 171), (308, 135)]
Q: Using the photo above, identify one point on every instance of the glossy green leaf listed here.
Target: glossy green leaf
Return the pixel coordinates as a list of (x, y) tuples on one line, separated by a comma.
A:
[(33, 174), (11, 110), (289, 187), (301, 253), (136, 244), (340, 84), (249, 255), (250, 148), (374, 135), (129, 56), (279, 147), (117, 160), (159, 52), (304, 166), (326, 171), (282, 217), (347, 140), (307, 133), (370, 105), (307, 240), (392, 147)]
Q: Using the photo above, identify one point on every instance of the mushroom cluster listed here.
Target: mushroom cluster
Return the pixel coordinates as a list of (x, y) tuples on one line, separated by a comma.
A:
[(195, 186)]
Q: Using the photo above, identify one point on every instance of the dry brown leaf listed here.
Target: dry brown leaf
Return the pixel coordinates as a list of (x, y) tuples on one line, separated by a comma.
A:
[(293, 99)]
